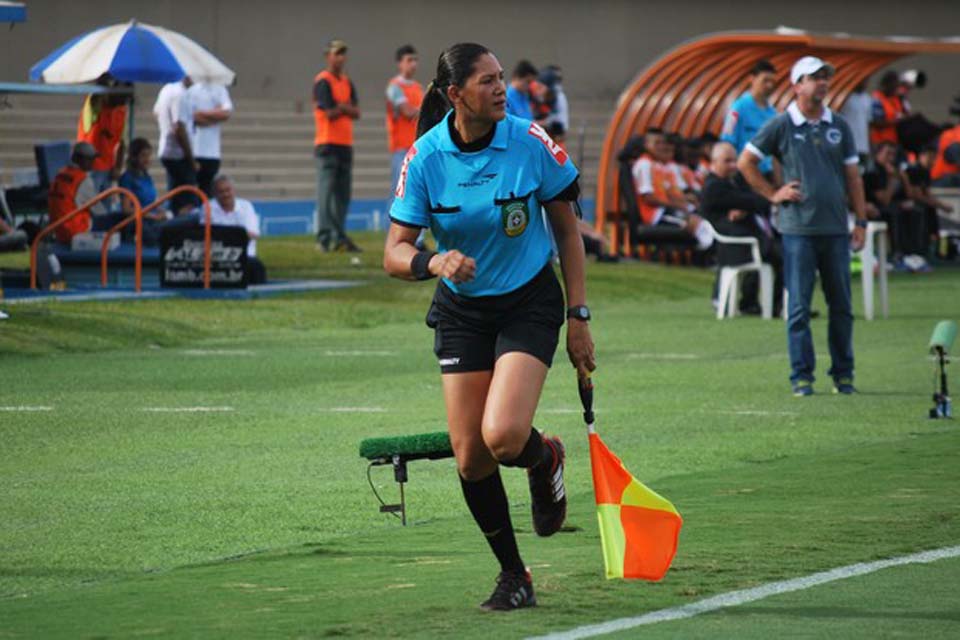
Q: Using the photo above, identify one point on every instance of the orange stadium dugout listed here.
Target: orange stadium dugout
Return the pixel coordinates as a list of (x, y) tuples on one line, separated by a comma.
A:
[(688, 90)]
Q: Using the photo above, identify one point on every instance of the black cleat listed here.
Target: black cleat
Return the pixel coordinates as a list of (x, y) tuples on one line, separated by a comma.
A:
[(347, 245), (514, 590), (547, 493)]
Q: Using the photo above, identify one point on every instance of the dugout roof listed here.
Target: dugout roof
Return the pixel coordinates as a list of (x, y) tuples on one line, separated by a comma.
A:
[(688, 89)]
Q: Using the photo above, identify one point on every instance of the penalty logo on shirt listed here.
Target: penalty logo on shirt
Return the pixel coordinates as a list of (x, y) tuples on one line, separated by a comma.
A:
[(515, 216)]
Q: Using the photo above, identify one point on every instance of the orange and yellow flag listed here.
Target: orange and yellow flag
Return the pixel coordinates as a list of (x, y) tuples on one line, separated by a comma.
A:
[(639, 529)]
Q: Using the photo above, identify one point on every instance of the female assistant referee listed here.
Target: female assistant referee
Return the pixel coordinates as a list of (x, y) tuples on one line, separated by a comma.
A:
[(478, 178)]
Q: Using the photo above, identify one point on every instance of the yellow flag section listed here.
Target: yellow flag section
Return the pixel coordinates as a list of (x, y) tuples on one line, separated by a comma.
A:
[(639, 529)]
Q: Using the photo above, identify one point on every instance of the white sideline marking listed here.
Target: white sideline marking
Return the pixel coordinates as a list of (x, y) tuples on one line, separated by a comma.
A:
[(187, 409), (357, 410), (26, 408), (662, 356), (735, 598), (359, 353), (759, 413), (218, 352)]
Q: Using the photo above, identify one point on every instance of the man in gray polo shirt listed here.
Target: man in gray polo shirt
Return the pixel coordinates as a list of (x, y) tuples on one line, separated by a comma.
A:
[(816, 149)]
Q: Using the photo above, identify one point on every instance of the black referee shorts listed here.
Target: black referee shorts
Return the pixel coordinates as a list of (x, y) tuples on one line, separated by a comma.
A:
[(472, 332)]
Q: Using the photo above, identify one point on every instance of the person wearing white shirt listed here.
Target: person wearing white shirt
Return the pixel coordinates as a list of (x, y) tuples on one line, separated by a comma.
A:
[(858, 110), (228, 210), (210, 106), (174, 118)]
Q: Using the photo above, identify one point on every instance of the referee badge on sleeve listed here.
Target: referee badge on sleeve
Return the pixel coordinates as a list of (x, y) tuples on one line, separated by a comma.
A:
[(515, 215)]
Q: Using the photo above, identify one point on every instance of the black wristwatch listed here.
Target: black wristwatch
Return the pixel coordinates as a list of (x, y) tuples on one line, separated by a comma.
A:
[(579, 312), (862, 223)]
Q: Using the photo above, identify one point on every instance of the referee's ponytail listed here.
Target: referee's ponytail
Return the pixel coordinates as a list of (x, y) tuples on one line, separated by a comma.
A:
[(454, 66)]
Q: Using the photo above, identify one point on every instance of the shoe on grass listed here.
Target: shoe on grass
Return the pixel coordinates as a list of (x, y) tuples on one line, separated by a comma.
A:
[(802, 388), (844, 386), (347, 245), (514, 590), (548, 496)]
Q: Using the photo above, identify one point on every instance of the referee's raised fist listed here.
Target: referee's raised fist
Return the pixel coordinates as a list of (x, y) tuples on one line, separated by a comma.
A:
[(454, 266)]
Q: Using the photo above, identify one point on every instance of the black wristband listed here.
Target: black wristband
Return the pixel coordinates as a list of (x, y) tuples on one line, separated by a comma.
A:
[(420, 265)]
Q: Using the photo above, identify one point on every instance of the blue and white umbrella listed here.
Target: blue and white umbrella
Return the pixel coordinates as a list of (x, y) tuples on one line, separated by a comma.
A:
[(12, 12), (131, 52)]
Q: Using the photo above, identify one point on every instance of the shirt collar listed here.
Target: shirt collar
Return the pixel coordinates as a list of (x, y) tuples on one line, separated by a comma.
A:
[(499, 136), (799, 119)]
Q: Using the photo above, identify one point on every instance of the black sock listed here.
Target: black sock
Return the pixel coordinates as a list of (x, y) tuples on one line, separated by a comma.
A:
[(534, 452), (487, 501)]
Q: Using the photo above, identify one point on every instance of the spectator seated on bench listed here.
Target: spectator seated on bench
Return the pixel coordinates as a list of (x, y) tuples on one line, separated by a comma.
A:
[(945, 171), (137, 180), (12, 239), (735, 210), (72, 187), (229, 210), (886, 188), (663, 238), (659, 190), (917, 178)]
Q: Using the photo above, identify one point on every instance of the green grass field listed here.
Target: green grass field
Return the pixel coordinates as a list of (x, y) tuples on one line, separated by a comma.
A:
[(250, 515)]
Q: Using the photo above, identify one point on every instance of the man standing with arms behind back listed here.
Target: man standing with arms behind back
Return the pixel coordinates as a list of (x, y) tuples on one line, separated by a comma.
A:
[(175, 121), (404, 95), (811, 141), (210, 104), (335, 109)]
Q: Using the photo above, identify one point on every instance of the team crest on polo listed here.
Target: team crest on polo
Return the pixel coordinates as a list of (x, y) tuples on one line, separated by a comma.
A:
[(834, 136), (515, 216)]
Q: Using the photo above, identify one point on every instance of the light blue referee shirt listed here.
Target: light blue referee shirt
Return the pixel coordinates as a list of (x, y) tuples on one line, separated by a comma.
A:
[(486, 204), (744, 120)]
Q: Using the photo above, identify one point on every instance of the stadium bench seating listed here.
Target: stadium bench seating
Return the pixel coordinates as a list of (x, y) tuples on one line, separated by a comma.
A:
[(663, 242)]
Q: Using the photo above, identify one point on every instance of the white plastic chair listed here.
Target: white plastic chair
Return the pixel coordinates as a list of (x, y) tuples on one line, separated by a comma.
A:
[(727, 302), (875, 238)]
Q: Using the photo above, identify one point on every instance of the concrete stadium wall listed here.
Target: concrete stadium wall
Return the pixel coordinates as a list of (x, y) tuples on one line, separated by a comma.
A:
[(276, 47)]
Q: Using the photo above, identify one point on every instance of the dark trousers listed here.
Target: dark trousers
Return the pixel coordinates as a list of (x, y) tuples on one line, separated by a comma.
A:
[(803, 258), (949, 180), (208, 170), (334, 174), (180, 172), (907, 229), (256, 271)]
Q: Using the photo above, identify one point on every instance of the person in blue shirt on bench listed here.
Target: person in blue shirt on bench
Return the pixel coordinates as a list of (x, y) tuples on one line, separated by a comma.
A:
[(137, 179), (137, 176)]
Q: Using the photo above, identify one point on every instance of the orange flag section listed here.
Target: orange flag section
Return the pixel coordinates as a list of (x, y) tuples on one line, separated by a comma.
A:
[(639, 529)]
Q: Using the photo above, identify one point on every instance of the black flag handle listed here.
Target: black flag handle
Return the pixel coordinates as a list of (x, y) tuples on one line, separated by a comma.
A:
[(586, 398)]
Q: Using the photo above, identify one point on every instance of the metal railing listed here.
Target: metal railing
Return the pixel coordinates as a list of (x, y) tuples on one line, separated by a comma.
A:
[(103, 195), (104, 249)]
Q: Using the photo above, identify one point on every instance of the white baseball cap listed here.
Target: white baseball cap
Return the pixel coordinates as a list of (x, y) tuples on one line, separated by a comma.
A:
[(807, 66)]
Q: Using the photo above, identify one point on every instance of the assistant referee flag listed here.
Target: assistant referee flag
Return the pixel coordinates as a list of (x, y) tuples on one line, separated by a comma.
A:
[(639, 529)]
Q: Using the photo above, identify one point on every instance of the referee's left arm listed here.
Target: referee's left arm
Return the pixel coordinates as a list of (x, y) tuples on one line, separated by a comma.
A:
[(563, 220)]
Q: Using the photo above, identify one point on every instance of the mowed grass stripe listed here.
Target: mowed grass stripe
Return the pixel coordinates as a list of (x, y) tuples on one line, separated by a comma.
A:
[(744, 596), (136, 511), (744, 527), (911, 601)]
